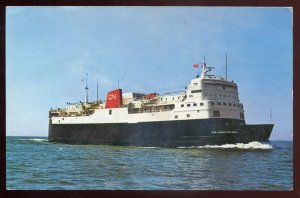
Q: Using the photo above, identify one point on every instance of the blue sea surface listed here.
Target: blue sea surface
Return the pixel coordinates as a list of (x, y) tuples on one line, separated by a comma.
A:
[(32, 163)]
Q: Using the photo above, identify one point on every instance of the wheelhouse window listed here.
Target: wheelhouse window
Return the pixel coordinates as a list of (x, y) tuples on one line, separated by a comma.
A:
[(188, 105), (216, 113), (195, 104), (201, 104)]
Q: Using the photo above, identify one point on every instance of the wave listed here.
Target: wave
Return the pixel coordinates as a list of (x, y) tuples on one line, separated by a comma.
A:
[(145, 147), (37, 140), (251, 145)]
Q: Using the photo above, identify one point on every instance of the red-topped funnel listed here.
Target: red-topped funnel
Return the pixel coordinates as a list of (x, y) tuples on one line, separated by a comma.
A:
[(114, 99)]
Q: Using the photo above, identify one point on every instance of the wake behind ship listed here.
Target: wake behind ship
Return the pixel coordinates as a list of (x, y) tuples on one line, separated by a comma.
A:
[(208, 112)]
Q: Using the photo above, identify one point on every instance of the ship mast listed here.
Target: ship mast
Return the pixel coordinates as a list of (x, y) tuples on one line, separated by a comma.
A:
[(86, 89), (97, 90), (226, 67), (205, 69)]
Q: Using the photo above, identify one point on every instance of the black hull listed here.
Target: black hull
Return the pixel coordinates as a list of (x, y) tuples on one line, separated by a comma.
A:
[(162, 134)]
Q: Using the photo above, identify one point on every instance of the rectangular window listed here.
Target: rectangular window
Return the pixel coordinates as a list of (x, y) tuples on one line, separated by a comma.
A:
[(187, 115), (234, 105), (182, 105), (229, 104), (212, 103), (195, 104), (188, 105), (224, 103), (176, 116), (110, 111), (196, 91), (190, 96), (201, 104), (219, 103), (216, 113)]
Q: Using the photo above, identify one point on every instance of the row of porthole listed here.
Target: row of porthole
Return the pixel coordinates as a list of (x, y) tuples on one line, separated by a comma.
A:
[(222, 85), (167, 98), (63, 119), (225, 104), (194, 104), (187, 115), (224, 96)]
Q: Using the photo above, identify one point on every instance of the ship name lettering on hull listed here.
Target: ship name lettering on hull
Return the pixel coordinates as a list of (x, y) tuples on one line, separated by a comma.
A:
[(219, 132)]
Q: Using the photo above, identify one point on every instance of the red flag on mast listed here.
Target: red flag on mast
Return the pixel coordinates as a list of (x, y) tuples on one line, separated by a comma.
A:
[(196, 65)]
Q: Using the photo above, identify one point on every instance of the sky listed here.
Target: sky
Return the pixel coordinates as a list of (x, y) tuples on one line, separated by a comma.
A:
[(49, 50)]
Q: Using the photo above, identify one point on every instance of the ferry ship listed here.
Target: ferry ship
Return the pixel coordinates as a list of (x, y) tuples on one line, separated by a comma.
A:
[(207, 112)]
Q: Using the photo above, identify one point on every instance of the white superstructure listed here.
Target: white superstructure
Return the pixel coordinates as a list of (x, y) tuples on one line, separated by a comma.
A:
[(205, 97)]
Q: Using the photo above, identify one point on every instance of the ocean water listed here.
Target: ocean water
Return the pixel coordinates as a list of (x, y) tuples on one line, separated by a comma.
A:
[(32, 163)]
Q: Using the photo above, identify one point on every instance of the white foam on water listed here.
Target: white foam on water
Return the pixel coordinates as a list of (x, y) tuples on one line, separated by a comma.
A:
[(251, 145), (188, 147), (38, 140), (145, 147)]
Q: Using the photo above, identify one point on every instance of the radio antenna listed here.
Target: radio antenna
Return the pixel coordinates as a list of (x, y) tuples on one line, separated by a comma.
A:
[(86, 89), (226, 67)]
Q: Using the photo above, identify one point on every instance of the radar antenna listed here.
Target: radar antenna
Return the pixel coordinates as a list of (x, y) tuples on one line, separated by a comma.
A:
[(205, 69)]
